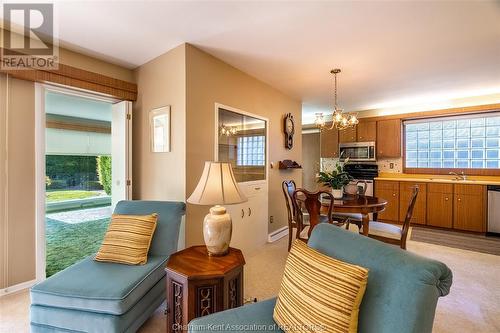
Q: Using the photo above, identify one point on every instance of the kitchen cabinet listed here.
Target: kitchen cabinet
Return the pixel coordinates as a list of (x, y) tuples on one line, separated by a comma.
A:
[(452, 206), (362, 132), (367, 131), (388, 190), (388, 138), (420, 208), (329, 142), (469, 207), (348, 135), (440, 205)]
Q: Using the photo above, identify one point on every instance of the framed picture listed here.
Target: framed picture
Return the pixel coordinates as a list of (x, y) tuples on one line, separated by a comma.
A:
[(159, 129)]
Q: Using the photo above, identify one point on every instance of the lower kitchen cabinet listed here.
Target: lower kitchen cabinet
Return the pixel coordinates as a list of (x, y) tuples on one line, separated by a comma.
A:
[(470, 208), (440, 205), (452, 206), (405, 194), (388, 190)]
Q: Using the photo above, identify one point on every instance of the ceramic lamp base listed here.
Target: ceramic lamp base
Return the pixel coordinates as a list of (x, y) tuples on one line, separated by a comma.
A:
[(217, 230)]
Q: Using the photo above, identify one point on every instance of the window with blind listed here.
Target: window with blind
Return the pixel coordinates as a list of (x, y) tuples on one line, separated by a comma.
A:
[(463, 142)]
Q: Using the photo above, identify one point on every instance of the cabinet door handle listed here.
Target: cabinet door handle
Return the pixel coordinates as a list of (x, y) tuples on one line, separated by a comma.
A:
[(394, 194), (242, 213), (459, 199), (249, 211), (446, 199)]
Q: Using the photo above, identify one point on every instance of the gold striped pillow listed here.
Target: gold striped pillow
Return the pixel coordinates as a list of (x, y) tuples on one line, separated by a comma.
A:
[(319, 293), (128, 239)]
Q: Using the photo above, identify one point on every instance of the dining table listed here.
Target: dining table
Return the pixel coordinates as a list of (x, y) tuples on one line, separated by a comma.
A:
[(356, 204)]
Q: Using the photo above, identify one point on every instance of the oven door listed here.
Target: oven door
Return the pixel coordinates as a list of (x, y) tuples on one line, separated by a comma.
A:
[(357, 151)]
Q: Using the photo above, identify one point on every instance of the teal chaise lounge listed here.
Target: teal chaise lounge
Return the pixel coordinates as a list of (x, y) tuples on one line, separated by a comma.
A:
[(401, 295), (92, 296)]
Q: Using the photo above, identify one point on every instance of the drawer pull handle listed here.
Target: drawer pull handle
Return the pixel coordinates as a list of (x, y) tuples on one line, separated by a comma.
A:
[(256, 188), (249, 211), (242, 213)]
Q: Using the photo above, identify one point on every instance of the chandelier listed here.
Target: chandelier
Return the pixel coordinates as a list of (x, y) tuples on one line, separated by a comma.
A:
[(340, 120), (228, 130)]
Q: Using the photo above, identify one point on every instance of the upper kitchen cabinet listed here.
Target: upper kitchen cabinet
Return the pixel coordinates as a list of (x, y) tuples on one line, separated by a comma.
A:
[(367, 131), (389, 138), (329, 142), (348, 135)]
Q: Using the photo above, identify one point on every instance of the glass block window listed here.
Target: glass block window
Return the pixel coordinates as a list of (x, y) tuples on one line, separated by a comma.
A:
[(453, 142), (251, 151)]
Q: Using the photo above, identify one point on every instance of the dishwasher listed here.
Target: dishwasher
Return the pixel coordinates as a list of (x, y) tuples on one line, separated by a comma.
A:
[(494, 210)]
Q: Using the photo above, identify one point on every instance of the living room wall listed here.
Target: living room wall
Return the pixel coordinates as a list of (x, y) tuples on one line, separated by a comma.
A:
[(191, 82), (17, 207), (210, 81), (161, 82)]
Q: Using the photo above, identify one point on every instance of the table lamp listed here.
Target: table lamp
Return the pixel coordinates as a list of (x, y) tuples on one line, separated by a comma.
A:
[(217, 186)]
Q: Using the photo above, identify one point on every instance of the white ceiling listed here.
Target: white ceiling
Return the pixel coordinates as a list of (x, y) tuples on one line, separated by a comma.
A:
[(390, 53)]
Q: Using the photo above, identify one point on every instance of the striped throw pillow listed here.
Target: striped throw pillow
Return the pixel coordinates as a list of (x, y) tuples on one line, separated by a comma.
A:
[(128, 239), (319, 293)]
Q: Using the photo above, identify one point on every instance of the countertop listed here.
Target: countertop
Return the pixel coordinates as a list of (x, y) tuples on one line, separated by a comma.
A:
[(471, 180)]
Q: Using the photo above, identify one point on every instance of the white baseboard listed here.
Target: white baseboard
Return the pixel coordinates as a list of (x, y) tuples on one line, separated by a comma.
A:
[(17, 287), (278, 234)]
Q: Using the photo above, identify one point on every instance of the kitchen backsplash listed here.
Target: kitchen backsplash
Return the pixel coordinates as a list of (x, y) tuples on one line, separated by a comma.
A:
[(327, 164), (393, 165)]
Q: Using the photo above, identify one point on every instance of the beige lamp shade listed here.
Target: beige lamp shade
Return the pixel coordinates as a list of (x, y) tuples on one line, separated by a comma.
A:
[(217, 186)]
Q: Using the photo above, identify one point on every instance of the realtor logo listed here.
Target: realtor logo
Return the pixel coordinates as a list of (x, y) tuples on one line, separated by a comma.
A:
[(28, 39)]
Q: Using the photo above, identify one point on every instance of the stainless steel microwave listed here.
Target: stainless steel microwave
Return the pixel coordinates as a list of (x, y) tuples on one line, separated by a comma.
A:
[(357, 151)]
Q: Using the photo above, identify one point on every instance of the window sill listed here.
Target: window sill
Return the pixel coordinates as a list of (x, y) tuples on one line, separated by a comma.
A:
[(446, 171)]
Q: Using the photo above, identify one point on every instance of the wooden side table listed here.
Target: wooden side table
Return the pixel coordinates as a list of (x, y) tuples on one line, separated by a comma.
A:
[(198, 285)]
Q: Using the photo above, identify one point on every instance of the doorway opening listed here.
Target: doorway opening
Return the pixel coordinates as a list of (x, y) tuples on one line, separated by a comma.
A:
[(86, 162)]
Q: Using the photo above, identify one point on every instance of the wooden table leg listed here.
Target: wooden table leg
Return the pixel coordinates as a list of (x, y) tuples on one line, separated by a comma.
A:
[(366, 221)]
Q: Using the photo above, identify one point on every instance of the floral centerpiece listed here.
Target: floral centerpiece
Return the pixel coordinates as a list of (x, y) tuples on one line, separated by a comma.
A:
[(336, 179)]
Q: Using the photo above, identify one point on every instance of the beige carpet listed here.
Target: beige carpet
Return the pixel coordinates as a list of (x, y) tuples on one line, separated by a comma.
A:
[(472, 306)]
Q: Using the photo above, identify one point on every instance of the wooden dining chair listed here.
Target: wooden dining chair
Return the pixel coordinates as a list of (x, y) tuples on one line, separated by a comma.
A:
[(354, 218), (288, 187), (311, 201), (390, 233)]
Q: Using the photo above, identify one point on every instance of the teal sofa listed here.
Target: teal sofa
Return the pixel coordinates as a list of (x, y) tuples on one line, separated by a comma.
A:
[(401, 295), (92, 296)]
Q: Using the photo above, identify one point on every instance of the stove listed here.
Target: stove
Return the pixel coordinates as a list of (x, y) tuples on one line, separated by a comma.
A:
[(363, 171)]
